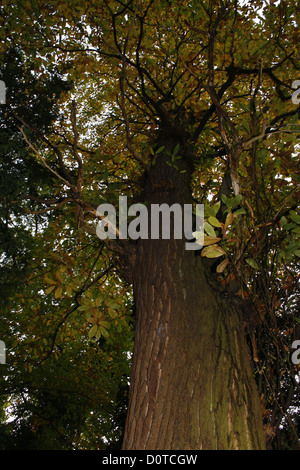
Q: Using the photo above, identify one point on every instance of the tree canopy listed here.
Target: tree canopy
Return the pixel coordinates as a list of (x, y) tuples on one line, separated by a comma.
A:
[(92, 91)]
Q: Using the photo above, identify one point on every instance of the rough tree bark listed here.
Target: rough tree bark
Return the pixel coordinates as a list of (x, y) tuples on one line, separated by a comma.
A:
[(192, 385)]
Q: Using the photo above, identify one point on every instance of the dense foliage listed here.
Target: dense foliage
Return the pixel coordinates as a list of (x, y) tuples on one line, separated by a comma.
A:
[(90, 85)]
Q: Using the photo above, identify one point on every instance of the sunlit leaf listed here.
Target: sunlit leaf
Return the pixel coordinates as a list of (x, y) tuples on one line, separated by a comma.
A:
[(213, 221), (209, 229), (213, 251), (198, 234), (210, 240)]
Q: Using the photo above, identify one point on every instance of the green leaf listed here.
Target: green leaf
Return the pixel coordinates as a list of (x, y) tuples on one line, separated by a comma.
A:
[(98, 334), (112, 303), (252, 263), (198, 234), (213, 221), (224, 199), (294, 216), (240, 211), (176, 149), (289, 226), (216, 207), (283, 220), (93, 331), (209, 229), (160, 150), (104, 332), (232, 202), (237, 200), (208, 210), (261, 155)]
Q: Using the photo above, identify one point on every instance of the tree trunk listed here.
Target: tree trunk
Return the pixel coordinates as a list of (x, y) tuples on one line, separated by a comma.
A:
[(192, 386)]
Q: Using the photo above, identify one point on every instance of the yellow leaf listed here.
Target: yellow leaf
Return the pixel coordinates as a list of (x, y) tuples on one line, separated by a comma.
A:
[(58, 276), (50, 289), (49, 281), (208, 240), (58, 292), (228, 220), (222, 266), (69, 291), (213, 251)]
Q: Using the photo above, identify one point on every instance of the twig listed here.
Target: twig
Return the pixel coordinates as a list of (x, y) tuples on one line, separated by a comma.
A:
[(43, 211), (43, 160)]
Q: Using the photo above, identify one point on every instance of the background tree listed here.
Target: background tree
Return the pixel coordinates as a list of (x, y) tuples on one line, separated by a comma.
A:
[(59, 400), (172, 102)]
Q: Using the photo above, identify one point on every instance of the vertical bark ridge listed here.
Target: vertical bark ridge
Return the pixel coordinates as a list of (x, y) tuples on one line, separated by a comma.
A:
[(192, 382), (192, 385)]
